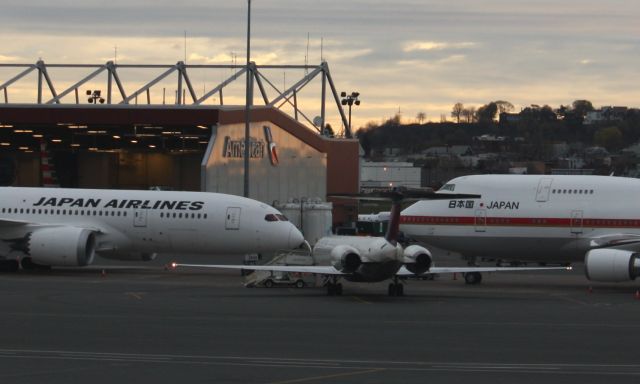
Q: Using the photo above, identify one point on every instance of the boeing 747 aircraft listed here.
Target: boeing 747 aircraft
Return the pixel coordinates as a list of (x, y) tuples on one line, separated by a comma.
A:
[(68, 227), (537, 218)]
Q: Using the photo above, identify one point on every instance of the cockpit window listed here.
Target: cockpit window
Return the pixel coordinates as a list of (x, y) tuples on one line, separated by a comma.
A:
[(271, 217), (448, 187), (275, 217)]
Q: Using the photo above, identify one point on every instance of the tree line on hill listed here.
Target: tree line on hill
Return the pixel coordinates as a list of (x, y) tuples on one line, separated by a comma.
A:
[(535, 126)]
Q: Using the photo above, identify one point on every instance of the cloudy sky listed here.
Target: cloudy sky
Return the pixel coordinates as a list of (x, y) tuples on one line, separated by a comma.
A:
[(408, 55)]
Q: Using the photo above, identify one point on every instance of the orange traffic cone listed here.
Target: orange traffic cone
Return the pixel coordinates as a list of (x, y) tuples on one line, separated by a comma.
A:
[(103, 273), (637, 295)]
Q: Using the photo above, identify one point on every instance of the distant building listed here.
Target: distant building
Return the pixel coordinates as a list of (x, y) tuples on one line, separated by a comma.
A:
[(448, 150), (374, 176), (510, 118), (605, 114)]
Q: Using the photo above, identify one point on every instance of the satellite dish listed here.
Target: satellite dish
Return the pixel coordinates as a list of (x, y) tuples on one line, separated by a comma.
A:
[(317, 121)]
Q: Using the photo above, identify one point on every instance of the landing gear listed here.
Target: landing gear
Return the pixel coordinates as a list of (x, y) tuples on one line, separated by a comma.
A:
[(396, 288), (334, 288), (472, 278), (28, 265), (9, 265)]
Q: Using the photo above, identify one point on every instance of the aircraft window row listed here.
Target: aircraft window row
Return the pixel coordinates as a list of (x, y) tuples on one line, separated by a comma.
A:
[(275, 217), (180, 215), (69, 212), (573, 191)]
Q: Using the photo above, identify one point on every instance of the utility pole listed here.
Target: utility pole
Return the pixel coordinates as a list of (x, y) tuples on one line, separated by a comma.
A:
[(247, 110)]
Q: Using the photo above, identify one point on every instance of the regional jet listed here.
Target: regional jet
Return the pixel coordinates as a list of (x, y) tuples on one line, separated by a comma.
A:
[(537, 218), (68, 227), (374, 259)]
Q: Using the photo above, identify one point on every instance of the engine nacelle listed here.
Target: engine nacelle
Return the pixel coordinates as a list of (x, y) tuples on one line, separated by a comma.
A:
[(417, 259), (345, 258), (612, 265), (62, 246)]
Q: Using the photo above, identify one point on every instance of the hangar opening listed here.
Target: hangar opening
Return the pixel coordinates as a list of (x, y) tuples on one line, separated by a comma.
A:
[(177, 147)]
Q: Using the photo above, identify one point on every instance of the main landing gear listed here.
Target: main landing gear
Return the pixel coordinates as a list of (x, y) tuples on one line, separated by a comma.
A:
[(472, 278), (396, 288), (333, 287), (9, 265)]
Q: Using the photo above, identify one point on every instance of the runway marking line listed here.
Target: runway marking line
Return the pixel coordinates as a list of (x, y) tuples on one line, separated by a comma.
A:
[(135, 295), (324, 377)]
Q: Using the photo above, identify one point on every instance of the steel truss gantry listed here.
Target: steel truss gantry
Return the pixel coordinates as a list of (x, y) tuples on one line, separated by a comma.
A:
[(288, 96)]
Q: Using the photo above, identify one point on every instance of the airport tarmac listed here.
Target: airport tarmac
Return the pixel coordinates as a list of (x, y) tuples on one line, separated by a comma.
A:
[(150, 325)]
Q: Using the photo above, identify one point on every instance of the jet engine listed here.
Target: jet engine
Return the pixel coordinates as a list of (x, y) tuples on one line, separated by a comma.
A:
[(417, 259), (345, 258), (62, 246), (612, 265)]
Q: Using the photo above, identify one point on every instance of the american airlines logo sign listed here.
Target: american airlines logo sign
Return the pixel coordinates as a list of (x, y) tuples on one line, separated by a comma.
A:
[(234, 148)]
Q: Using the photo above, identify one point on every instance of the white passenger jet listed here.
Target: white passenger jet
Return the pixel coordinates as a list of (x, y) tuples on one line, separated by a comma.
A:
[(68, 227), (373, 259), (537, 218)]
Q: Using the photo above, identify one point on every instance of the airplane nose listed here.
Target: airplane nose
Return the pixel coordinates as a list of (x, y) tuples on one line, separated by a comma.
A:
[(295, 237)]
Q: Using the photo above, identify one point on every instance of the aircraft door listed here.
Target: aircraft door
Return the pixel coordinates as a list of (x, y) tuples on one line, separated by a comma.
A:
[(544, 188), (140, 218), (233, 218), (481, 220), (576, 222)]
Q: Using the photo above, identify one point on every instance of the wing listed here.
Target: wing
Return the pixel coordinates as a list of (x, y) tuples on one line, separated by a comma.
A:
[(615, 240), (12, 223), (317, 269), (441, 270)]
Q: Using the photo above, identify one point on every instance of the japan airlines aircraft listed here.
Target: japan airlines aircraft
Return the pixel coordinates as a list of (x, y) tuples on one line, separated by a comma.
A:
[(372, 259), (68, 227), (539, 218)]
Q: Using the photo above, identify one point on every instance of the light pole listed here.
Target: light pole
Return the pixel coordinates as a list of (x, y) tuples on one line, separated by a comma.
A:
[(350, 100), (248, 102)]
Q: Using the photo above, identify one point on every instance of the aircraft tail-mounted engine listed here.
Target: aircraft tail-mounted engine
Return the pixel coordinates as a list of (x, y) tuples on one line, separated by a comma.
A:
[(417, 259), (612, 265), (345, 258), (62, 246)]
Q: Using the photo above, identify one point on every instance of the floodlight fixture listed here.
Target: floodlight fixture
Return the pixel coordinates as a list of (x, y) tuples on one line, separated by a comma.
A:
[(350, 100)]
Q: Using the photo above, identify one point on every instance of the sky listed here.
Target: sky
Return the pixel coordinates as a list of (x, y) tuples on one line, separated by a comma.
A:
[(406, 56)]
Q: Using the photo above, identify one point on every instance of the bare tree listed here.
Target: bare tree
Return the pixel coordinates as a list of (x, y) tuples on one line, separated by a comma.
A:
[(421, 117), (469, 114), (456, 113)]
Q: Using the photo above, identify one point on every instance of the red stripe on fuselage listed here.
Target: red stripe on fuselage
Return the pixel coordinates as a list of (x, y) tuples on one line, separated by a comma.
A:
[(520, 221)]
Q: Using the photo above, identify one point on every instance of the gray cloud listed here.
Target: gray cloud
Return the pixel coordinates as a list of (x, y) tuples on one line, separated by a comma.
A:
[(526, 52)]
